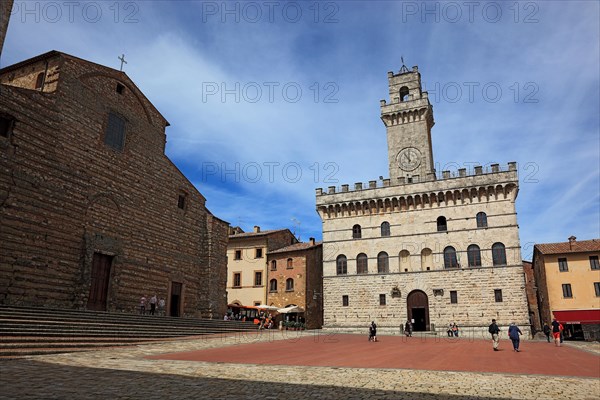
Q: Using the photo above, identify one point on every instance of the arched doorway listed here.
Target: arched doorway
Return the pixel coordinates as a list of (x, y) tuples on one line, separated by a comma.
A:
[(417, 305)]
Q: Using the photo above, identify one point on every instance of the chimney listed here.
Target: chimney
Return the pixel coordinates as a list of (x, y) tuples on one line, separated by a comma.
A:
[(256, 229), (312, 241), (572, 240)]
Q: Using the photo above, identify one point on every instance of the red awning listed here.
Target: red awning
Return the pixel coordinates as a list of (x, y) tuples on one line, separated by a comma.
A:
[(578, 316)]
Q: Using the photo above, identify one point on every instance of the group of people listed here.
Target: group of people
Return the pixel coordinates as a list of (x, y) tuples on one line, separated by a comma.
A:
[(556, 330), (452, 330), (233, 317), (514, 333), (153, 302)]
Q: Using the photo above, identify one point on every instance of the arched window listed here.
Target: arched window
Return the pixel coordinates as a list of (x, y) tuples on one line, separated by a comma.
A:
[(274, 265), (362, 264), (383, 263), (404, 93), (441, 224), (39, 81), (341, 265), (498, 254), (450, 260), (289, 285), (290, 263), (481, 220), (356, 232), (385, 228), (273, 285), (474, 255), (404, 261)]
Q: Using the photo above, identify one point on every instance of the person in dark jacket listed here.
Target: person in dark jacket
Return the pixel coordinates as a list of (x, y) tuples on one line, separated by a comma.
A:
[(546, 330), (513, 334), (373, 332), (495, 331)]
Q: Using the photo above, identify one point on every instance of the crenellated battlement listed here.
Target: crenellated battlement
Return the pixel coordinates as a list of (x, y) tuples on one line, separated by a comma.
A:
[(416, 179)]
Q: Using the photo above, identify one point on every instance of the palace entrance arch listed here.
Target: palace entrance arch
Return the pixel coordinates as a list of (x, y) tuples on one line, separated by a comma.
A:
[(417, 305)]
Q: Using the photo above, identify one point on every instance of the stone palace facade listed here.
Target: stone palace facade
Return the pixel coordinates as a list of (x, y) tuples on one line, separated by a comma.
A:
[(435, 250)]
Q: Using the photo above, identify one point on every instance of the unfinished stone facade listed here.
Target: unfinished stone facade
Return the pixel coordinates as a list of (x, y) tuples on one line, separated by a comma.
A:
[(295, 277), (93, 213), (5, 10), (436, 250), (247, 263)]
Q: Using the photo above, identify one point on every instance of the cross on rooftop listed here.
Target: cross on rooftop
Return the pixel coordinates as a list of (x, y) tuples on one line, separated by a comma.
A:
[(122, 58)]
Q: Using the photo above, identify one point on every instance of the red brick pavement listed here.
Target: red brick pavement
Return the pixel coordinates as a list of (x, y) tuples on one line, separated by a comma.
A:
[(440, 354)]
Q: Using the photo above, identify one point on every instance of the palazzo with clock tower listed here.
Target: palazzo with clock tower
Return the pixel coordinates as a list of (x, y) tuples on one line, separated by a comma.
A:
[(433, 248)]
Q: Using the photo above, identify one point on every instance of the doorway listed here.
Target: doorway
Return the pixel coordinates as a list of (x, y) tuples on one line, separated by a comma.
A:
[(417, 305), (175, 301), (101, 265)]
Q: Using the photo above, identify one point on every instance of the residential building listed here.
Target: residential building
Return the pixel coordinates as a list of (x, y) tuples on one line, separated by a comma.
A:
[(247, 263), (567, 275), (295, 278)]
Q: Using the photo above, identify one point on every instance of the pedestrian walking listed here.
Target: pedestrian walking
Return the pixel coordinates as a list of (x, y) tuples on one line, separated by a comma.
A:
[(153, 301), (513, 334), (161, 307), (408, 328), (373, 332), (546, 330), (143, 305), (495, 331), (556, 331)]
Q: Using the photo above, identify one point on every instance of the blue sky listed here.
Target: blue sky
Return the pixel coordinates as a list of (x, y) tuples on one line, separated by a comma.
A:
[(269, 100)]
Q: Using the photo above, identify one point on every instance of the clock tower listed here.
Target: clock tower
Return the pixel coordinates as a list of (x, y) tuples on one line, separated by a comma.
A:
[(408, 119)]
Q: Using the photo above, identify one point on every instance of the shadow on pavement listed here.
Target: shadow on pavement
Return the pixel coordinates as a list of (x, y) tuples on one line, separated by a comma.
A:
[(30, 379)]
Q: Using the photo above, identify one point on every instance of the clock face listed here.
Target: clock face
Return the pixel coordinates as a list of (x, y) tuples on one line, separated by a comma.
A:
[(408, 158)]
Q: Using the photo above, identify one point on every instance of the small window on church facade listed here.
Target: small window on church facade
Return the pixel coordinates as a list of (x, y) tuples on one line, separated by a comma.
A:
[(39, 82), (382, 300), (345, 301), (6, 125), (120, 88), (115, 132), (181, 201)]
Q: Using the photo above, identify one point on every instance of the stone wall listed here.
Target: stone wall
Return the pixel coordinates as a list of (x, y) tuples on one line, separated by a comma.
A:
[(65, 195), (306, 272), (473, 312), (5, 10)]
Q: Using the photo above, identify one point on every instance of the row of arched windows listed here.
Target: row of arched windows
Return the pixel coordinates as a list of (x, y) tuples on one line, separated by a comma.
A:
[(289, 285), (450, 259), (442, 226), (289, 264)]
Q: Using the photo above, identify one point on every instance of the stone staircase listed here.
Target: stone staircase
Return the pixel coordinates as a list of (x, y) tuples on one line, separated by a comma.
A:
[(32, 331)]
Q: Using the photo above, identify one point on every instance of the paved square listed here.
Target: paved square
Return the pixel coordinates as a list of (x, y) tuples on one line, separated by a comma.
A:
[(136, 373), (426, 353)]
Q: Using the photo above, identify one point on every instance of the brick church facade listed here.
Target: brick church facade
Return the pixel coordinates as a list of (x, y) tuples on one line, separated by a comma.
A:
[(93, 214), (417, 246)]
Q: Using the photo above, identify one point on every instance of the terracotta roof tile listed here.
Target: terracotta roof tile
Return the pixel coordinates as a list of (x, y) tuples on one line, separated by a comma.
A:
[(296, 247), (568, 247), (255, 234)]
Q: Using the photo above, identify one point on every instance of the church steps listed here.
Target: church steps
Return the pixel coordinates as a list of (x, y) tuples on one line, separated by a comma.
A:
[(31, 331)]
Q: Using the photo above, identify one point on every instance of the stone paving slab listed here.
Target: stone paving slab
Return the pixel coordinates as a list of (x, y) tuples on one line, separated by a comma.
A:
[(126, 373)]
